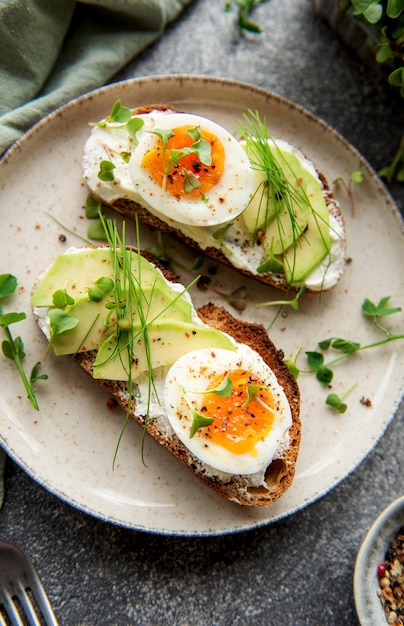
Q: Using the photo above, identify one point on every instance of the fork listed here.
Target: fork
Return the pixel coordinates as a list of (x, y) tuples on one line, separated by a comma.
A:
[(22, 597)]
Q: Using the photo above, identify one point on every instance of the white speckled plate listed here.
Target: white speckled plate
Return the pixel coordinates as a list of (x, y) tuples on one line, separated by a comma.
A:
[(69, 446), (372, 552)]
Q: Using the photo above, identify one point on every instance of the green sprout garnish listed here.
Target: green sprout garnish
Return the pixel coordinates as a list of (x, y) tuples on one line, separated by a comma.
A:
[(337, 401), (60, 298), (59, 322), (100, 288), (266, 157), (122, 117), (252, 396), (106, 172), (244, 8), (356, 177), (200, 147), (345, 348), (224, 390), (13, 347)]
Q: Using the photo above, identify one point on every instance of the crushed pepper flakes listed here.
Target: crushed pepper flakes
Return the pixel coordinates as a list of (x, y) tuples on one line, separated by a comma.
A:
[(391, 581)]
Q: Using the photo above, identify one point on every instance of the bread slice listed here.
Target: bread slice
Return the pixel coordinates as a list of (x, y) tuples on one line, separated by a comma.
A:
[(130, 208), (280, 473), (248, 490)]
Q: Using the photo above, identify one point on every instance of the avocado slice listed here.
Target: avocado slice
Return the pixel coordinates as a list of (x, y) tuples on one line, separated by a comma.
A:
[(315, 244), (158, 302), (76, 272), (168, 341)]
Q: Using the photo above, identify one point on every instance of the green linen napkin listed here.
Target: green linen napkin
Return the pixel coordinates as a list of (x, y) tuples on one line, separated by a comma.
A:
[(54, 50)]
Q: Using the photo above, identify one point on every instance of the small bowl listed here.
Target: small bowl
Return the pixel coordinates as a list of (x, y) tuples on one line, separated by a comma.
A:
[(372, 552)]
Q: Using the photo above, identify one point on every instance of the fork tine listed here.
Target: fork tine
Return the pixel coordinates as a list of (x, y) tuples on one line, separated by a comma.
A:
[(29, 609), (41, 599), (11, 610)]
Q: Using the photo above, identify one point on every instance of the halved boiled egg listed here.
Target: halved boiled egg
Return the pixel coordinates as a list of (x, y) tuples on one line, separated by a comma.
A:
[(228, 409), (191, 170)]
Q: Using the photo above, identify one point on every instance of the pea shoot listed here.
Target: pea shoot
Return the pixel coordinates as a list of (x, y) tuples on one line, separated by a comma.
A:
[(344, 348), (13, 347)]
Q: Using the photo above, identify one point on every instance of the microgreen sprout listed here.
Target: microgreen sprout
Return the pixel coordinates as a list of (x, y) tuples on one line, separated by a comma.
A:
[(59, 323), (100, 288), (253, 396), (355, 177), (172, 157), (13, 347), (60, 298), (345, 348), (244, 8), (395, 170), (122, 117), (106, 171), (337, 401), (293, 302)]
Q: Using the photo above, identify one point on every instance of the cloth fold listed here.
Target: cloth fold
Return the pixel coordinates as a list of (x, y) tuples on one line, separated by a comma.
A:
[(52, 51)]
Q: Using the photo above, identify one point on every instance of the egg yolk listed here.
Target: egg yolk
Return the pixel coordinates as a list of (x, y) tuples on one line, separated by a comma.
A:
[(238, 426), (207, 176)]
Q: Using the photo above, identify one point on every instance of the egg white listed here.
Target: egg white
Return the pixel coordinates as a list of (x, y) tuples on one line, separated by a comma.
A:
[(195, 372), (108, 143), (225, 201)]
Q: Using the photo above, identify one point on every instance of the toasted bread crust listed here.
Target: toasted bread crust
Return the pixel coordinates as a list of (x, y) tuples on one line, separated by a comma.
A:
[(130, 209)]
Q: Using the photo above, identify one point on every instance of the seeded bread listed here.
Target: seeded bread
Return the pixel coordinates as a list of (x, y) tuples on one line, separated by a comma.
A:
[(129, 208)]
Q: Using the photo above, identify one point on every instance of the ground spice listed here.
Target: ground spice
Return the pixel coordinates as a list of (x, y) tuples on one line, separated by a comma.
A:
[(391, 581)]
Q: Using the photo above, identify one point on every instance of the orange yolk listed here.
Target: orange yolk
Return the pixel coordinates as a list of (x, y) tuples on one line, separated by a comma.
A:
[(207, 175), (236, 427)]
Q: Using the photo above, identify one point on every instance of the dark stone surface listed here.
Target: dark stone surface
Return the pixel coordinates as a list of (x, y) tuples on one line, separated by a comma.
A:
[(297, 571)]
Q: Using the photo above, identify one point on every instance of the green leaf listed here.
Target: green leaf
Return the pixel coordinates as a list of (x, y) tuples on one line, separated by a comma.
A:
[(271, 264), (11, 318), (35, 375), (357, 176), (61, 298), (325, 344), (93, 207), (100, 288), (8, 284), (335, 402), (204, 151), (96, 231), (119, 113), (199, 421), (8, 349), (371, 309), (106, 172), (345, 345), (246, 24), (324, 375), (195, 133), (190, 181), (396, 77), (133, 126), (315, 360), (164, 133), (60, 322), (394, 8)]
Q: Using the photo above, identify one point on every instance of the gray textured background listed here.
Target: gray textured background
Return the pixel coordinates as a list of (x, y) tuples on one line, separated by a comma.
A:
[(297, 571)]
